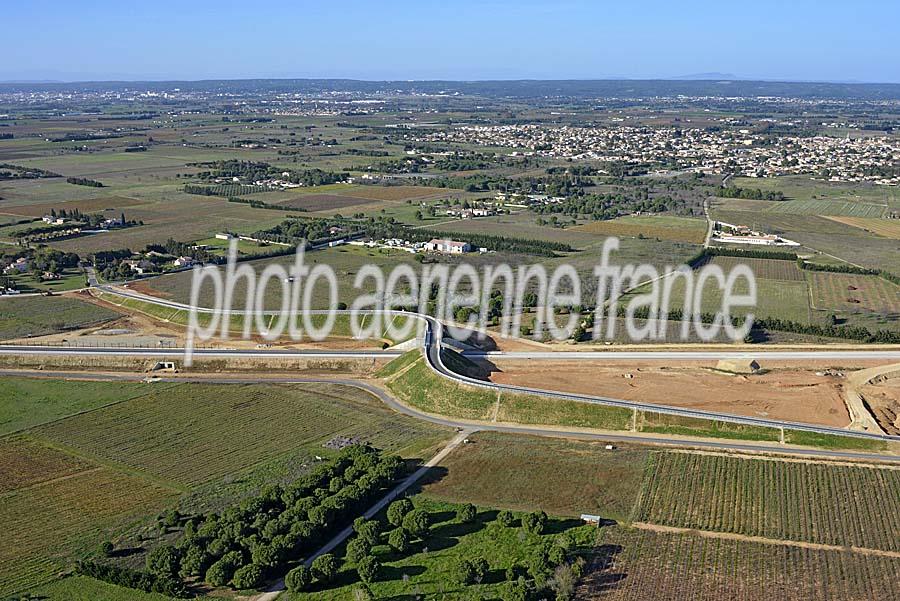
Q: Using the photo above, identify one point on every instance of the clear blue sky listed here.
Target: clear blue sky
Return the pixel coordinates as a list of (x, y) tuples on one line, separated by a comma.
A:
[(462, 39)]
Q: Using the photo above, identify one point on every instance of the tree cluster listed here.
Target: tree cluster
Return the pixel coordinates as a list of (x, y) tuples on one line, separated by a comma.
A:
[(83, 181), (750, 193), (256, 539)]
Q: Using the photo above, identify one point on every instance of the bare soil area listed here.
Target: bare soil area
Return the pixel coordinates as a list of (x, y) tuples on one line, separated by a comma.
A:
[(785, 392), (884, 400), (136, 329)]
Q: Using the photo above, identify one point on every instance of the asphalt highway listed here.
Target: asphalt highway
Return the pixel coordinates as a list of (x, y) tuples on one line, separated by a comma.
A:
[(464, 425), (432, 345)]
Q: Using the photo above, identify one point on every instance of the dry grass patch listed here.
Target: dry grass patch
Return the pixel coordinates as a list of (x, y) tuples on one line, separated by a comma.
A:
[(851, 292), (678, 229), (525, 473), (26, 462), (886, 228)]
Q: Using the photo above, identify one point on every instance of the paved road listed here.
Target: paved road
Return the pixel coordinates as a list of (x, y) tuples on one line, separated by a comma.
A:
[(432, 345), (613, 355), (472, 426), (394, 493), (390, 354), (175, 352), (433, 354)]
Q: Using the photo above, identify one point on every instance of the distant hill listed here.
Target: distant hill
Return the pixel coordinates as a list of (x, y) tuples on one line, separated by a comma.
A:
[(713, 76), (522, 89)]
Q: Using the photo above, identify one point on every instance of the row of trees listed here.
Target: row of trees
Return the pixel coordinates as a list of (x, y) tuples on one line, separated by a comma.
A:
[(600, 207), (831, 330), (549, 565), (388, 227), (135, 579), (256, 170), (254, 540), (83, 181), (850, 269), (9, 171), (259, 204), (750, 193)]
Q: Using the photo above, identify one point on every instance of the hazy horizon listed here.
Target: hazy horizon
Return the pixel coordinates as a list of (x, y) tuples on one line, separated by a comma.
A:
[(804, 41)]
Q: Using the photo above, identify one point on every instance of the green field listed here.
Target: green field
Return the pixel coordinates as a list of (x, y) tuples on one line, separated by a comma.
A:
[(783, 298), (679, 229), (827, 207), (195, 433), (52, 521), (28, 402), (127, 451), (799, 189), (38, 316), (82, 588), (423, 389), (630, 562), (427, 570), (795, 501), (565, 478), (851, 293)]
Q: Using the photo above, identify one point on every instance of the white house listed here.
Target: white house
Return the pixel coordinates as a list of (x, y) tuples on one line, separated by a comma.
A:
[(20, 266), (447, 246), (184, 262)]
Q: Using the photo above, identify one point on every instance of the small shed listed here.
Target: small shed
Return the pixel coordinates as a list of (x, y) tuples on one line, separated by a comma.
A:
[(738, 366)]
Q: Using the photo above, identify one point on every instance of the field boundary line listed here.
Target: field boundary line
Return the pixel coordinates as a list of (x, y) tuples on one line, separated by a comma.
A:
[(748, 456), (104, 463), (400, 372), (15, 491), (28, 430), (765, 540), (496, 409)]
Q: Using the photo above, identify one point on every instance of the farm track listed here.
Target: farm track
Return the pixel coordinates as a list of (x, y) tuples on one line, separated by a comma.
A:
[(549, 431), (763, 540)]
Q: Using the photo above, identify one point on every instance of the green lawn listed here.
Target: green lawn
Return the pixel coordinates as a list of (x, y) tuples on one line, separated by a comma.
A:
[(427, 570), (109, 456), (28, 402), (774, 298), (71, 279), (38, 316), (524, 473), (82, 588)]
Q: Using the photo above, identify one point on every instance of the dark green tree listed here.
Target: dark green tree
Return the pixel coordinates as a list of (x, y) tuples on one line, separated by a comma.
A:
[(163, 561), (535, 522), (325, 567), (506, 518), (466, 513), (298, 579), (398, 539), (417, 522), (247, 577), (398, 510), (368, 569)]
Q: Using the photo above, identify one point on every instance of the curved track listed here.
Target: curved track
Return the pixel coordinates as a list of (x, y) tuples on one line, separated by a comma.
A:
[(432, 336)]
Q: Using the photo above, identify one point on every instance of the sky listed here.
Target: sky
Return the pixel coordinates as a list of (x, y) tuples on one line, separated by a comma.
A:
[(800, 40)]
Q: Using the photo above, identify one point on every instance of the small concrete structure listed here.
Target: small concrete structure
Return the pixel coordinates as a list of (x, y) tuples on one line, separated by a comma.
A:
[(164, 366), (738, 366)]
